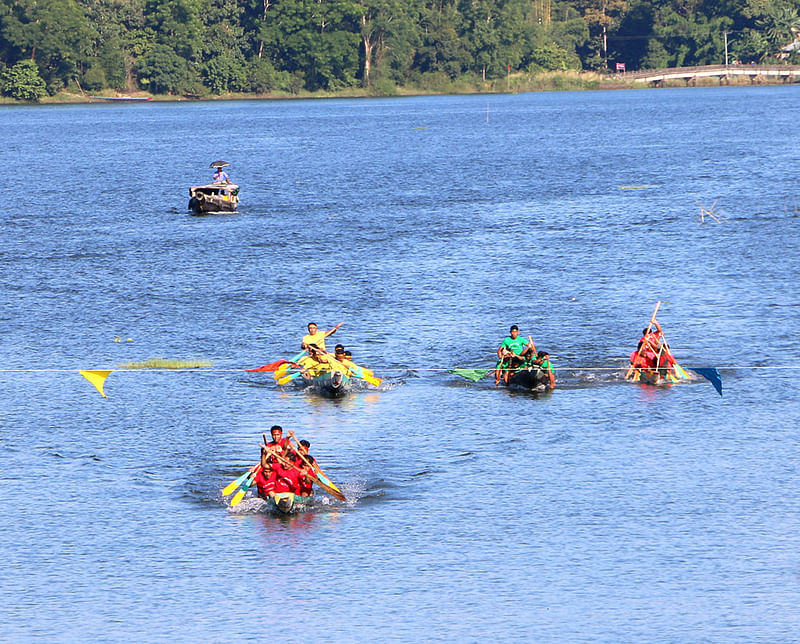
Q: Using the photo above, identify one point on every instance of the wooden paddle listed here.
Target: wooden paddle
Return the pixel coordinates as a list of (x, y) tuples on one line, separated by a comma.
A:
[(237, 498), (290, 377), (358, 372), (315, 466), (641, 348), (680, 372), (230, 487)]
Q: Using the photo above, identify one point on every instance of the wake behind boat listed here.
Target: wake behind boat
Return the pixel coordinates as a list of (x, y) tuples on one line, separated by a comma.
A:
[(219, 196)]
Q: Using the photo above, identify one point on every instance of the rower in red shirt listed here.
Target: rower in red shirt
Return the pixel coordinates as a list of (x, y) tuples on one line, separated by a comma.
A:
[(288, 478), (279, 443), (266, 477), (306, 472)]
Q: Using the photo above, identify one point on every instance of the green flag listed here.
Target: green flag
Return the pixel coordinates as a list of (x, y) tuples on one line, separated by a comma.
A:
[(471, 374)]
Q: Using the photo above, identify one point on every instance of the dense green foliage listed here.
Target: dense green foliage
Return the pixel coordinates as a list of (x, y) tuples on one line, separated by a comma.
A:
[(221, 46)]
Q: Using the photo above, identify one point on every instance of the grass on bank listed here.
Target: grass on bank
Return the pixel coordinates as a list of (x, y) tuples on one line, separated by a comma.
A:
[(434, 84), (163, 363)]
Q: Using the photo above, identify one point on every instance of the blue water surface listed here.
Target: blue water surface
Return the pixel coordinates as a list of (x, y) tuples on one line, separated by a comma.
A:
[(603, 512)]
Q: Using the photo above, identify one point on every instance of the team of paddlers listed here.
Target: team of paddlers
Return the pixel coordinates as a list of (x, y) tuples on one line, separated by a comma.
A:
[(517, 354), (284, 468)]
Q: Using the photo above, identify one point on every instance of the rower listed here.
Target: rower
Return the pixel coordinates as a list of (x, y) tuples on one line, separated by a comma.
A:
[(543, 362), (317, 337), (512, 352), (290, 476), (314, 363), (305, 470), (649, 346), (266, 478), (278, 442)]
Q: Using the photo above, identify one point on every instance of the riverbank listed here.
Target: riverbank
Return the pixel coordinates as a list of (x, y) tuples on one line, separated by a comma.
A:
[(433, 85)]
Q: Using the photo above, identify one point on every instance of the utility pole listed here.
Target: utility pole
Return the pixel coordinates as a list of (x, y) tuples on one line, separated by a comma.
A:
[(725, 33)]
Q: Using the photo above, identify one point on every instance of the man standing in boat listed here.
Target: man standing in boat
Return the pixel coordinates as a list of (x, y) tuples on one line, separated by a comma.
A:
[(513, 351), (317, 337)]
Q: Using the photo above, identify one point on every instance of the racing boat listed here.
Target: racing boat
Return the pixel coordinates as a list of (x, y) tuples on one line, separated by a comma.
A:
[(332, 383), (532, 378), (288, 502)]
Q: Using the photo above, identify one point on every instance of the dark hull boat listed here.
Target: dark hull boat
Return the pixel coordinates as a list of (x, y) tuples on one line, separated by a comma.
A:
[(333, 384), (214, 197), (531, 378)]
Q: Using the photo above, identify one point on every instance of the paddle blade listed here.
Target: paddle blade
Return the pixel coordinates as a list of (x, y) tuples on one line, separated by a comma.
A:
[(237, 498), (680, 372), (712, 375), (471, 374), (360, 372), (230, 487), (336, 494), (375, 382), (288, 378), (97, 378)]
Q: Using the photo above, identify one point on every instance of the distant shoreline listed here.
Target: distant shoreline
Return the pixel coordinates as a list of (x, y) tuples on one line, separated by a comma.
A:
[(515, 84)]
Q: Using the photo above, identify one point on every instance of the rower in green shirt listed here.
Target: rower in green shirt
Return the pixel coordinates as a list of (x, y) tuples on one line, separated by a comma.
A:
[(543, 362), (513, 351)]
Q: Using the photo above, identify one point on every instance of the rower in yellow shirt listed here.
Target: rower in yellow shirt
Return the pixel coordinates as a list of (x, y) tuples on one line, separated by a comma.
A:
[(315, 363), (317, 337)]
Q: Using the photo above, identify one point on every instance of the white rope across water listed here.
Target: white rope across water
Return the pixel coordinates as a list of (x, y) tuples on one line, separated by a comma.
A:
[(380, 369)]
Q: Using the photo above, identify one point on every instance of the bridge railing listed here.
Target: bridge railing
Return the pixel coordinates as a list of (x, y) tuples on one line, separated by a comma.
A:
[(690, 71)]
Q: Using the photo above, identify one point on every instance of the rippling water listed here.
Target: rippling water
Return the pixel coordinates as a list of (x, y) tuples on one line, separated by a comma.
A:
[(605, 511)]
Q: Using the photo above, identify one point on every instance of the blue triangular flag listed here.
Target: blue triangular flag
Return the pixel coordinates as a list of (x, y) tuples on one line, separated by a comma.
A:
[(712, 375)]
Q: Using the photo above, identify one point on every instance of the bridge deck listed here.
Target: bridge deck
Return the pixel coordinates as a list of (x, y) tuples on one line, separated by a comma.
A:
[(688, 73)]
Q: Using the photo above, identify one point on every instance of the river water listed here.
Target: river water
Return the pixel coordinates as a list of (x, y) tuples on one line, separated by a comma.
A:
[(603, 512)]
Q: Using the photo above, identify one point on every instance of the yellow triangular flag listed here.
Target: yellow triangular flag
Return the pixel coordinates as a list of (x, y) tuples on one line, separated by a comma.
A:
[(97, 378)]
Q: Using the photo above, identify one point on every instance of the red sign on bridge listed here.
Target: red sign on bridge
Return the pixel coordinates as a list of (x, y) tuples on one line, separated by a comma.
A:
[(620, 67)]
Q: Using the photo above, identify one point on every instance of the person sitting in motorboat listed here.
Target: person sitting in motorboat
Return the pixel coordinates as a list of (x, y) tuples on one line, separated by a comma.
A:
[(513, 351), (317, 337), (220, 176)]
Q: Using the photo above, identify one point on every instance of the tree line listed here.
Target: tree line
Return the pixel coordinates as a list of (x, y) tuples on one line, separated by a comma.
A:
[(201, 47)]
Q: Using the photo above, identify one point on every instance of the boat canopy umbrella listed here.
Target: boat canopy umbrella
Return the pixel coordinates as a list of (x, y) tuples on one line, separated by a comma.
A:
[(219, 164)]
